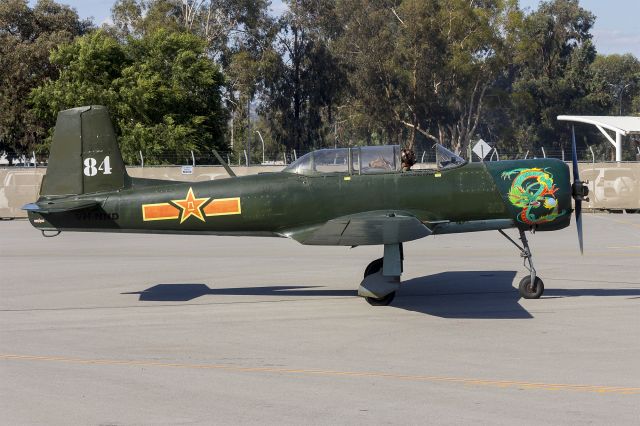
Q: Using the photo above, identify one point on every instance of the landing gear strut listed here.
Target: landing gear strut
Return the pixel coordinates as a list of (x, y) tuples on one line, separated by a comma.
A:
[(530, 287), (382, 277)]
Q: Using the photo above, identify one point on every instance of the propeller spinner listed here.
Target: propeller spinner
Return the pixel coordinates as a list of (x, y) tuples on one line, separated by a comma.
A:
[(579, 189)]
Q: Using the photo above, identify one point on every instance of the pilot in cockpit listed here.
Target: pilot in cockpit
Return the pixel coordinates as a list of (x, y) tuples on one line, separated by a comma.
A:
[(408, 159)]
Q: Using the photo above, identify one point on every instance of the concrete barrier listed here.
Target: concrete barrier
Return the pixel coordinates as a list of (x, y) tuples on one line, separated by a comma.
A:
[(198, 173), (18, 186), (611, 186)]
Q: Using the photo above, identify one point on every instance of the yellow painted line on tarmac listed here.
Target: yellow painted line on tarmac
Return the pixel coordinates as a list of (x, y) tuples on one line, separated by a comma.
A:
[(618, 390)]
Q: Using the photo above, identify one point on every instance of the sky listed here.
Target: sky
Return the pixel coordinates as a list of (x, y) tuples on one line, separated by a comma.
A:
[(616, 29)]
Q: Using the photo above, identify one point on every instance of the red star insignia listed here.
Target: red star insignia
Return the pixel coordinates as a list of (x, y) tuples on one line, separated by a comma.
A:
[(191, 206)]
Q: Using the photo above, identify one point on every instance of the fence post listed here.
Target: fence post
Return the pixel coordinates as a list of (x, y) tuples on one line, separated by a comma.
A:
[(193, 158), (284, 157), (261, 140), (593, 156), (544, 154), (423, 154), (526, 155), (246, 157), (295, 155), (141, 159)]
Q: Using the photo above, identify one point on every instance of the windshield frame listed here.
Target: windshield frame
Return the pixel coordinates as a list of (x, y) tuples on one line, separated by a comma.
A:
[(447, 159)]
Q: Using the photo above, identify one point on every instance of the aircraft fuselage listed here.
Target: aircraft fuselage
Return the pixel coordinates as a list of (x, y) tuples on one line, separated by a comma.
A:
[(523, 193)]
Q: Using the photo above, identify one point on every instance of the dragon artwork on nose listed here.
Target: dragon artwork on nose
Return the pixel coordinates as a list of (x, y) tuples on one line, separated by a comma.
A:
[(533, 191)]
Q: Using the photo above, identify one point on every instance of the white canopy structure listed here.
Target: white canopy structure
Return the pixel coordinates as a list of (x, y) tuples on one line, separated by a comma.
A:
[(621, 125)]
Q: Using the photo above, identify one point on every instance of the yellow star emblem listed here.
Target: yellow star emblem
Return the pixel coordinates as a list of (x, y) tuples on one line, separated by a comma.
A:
[(191, 206)]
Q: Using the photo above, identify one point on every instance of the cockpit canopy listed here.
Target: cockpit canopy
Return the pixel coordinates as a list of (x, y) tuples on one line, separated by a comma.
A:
[(363, 160)]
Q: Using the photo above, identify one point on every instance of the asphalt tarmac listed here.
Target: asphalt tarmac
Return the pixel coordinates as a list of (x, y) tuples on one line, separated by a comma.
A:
[(118, 329)]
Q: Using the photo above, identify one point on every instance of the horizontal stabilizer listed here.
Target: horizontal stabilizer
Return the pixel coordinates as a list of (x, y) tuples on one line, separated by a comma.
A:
[(59, 206)]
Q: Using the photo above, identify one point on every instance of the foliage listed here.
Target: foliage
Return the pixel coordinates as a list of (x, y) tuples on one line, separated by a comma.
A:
[(26, 38), (421, 68), (305, 79), (552, 61), (616, 78), (161, 89), (237, 36), (187, 75)]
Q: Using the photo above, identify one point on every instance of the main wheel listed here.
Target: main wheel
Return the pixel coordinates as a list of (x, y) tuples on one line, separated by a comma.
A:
[(373, 267), (384, 301), (529, 291)]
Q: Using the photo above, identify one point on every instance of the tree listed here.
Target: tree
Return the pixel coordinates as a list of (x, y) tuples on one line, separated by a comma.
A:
[(27, 35), (247, 60), (617, 79), (162, 90), (552, 74), (222, 24), (422, 68), (304, 83), (237, 35)]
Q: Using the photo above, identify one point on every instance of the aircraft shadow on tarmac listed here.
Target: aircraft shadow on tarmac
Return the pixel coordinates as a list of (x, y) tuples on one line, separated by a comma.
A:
[(463, 294), (460, 294), (454, 294)]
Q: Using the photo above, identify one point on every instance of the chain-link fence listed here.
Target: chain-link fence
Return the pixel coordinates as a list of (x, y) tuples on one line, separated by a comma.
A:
[(243, 158)]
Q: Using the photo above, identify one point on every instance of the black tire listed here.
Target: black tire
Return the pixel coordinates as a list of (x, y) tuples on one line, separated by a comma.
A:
[(373, 267), (385, 301), (528, 291)]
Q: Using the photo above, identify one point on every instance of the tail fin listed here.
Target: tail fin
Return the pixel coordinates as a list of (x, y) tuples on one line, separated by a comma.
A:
[(84, 154)]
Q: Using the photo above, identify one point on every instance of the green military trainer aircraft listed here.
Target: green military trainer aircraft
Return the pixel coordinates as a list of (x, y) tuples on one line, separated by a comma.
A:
[(342, 197)]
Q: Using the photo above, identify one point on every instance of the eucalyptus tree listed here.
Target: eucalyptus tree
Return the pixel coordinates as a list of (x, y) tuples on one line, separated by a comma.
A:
[(617, 78), (552, 72), (422, 69), (237, 35), (303, 86)]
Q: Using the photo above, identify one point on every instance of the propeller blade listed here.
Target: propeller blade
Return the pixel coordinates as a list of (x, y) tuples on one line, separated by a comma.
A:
[(574, 155), (576, 181), (579, 224)]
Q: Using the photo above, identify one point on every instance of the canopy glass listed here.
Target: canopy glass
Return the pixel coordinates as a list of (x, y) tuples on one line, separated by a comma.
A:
[(363, 160)]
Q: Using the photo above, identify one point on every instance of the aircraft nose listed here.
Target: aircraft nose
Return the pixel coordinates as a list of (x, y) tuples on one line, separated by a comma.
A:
[(536, 192)]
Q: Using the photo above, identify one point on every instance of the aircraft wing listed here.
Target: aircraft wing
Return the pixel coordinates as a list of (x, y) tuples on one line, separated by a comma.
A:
[(369, 228)]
